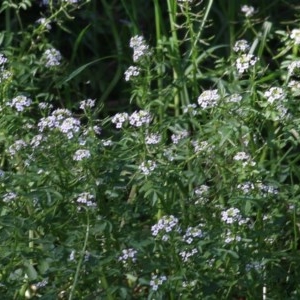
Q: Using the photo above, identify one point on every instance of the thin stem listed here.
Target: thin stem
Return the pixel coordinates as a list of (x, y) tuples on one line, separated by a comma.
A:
[(81, 259)]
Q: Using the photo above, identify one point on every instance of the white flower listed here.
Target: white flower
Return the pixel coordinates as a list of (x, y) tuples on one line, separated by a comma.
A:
[(128, 255), (9, 197), (140, 48), (20, 102), (17, 146), (179, 136), (295, 35), (3, 59), (119, 119), (245, 61), (233, 215), (248, 10), (241, 46), (208, 99), (234, 98), (87, 199), (81, 154), (88, 103), (147, 167), (132, 71), (190, 108), (138, 118), (294, 67), (274, 93), (52, 57), (44, 22), (165, 225), (185, 255), (152, 138), (156, 281)]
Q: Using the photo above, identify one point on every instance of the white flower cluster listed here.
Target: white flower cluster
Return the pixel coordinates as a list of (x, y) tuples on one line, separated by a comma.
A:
[(52, 57), (132, 71), (4, 74), (16, 146), (138, 118), (37, 140), (233, 215), (20, 102), (81, 154), (201, 193), (191, 284), (45, 23), (295, 35), (107, 142), (190, 108), (256, 266), (185, 255), (231, 237), (44, 106), (119, 119), (176, 137), (241, 46), (86, 199), (156, 281), (294, 68), (164, 226), (62, 120), (128, 255), (191, 233), (9, 197), (249, 11), (294, 85), (244, 62), (246, 187), (234, 98), (152, 138), (86, 104), (201, 146), (147, 167), (244, 158), (139, 46), (274, 93), (208, 99)]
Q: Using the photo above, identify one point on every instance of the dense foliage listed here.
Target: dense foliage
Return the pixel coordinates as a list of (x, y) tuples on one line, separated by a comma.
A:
[(149, 150)]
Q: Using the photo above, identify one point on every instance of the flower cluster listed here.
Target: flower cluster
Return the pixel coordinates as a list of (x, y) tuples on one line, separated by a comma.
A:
[(139, 46), (244, 158), (191, 233), (156, 281), (86, 104), (201, 193), (147, 167), (208, 99), (231, 237), (138, 118), (201, 146), (45, 23), (52, 57), (62, 120), (234, 98), (128, 255), (185, 255), (241, 46), (152, 138), (81, 154), (164, 226), (245, 61), (274, 93), (20, 102), (119, 119), (295, 35), (16, 146), (86, 199), (176, 137), (9, 197), (233, 215), (294, 68), (190, 108), (132, 71), (249, 11)]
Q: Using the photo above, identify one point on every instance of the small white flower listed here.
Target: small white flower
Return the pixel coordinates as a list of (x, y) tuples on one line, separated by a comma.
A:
[(119, 119), (176, 137), (86, 104), (128, 255), (294, 68), (44, 22), (20, 102), (9, 197), (132, 71), (234, 98), (274, 93), (140, 48), (81, 154), (156, 281), (52, 57), (190, 108), (3, 59), (165, 225), (86, 199), (138, 118), (248, 10), (241, 46), (152, 138), (147, 167), (17, 146), (245, 61), (208, 99), (295, 35)]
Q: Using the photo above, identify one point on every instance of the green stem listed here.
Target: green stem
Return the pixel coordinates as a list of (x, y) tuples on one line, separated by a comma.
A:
[(81, 259)]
